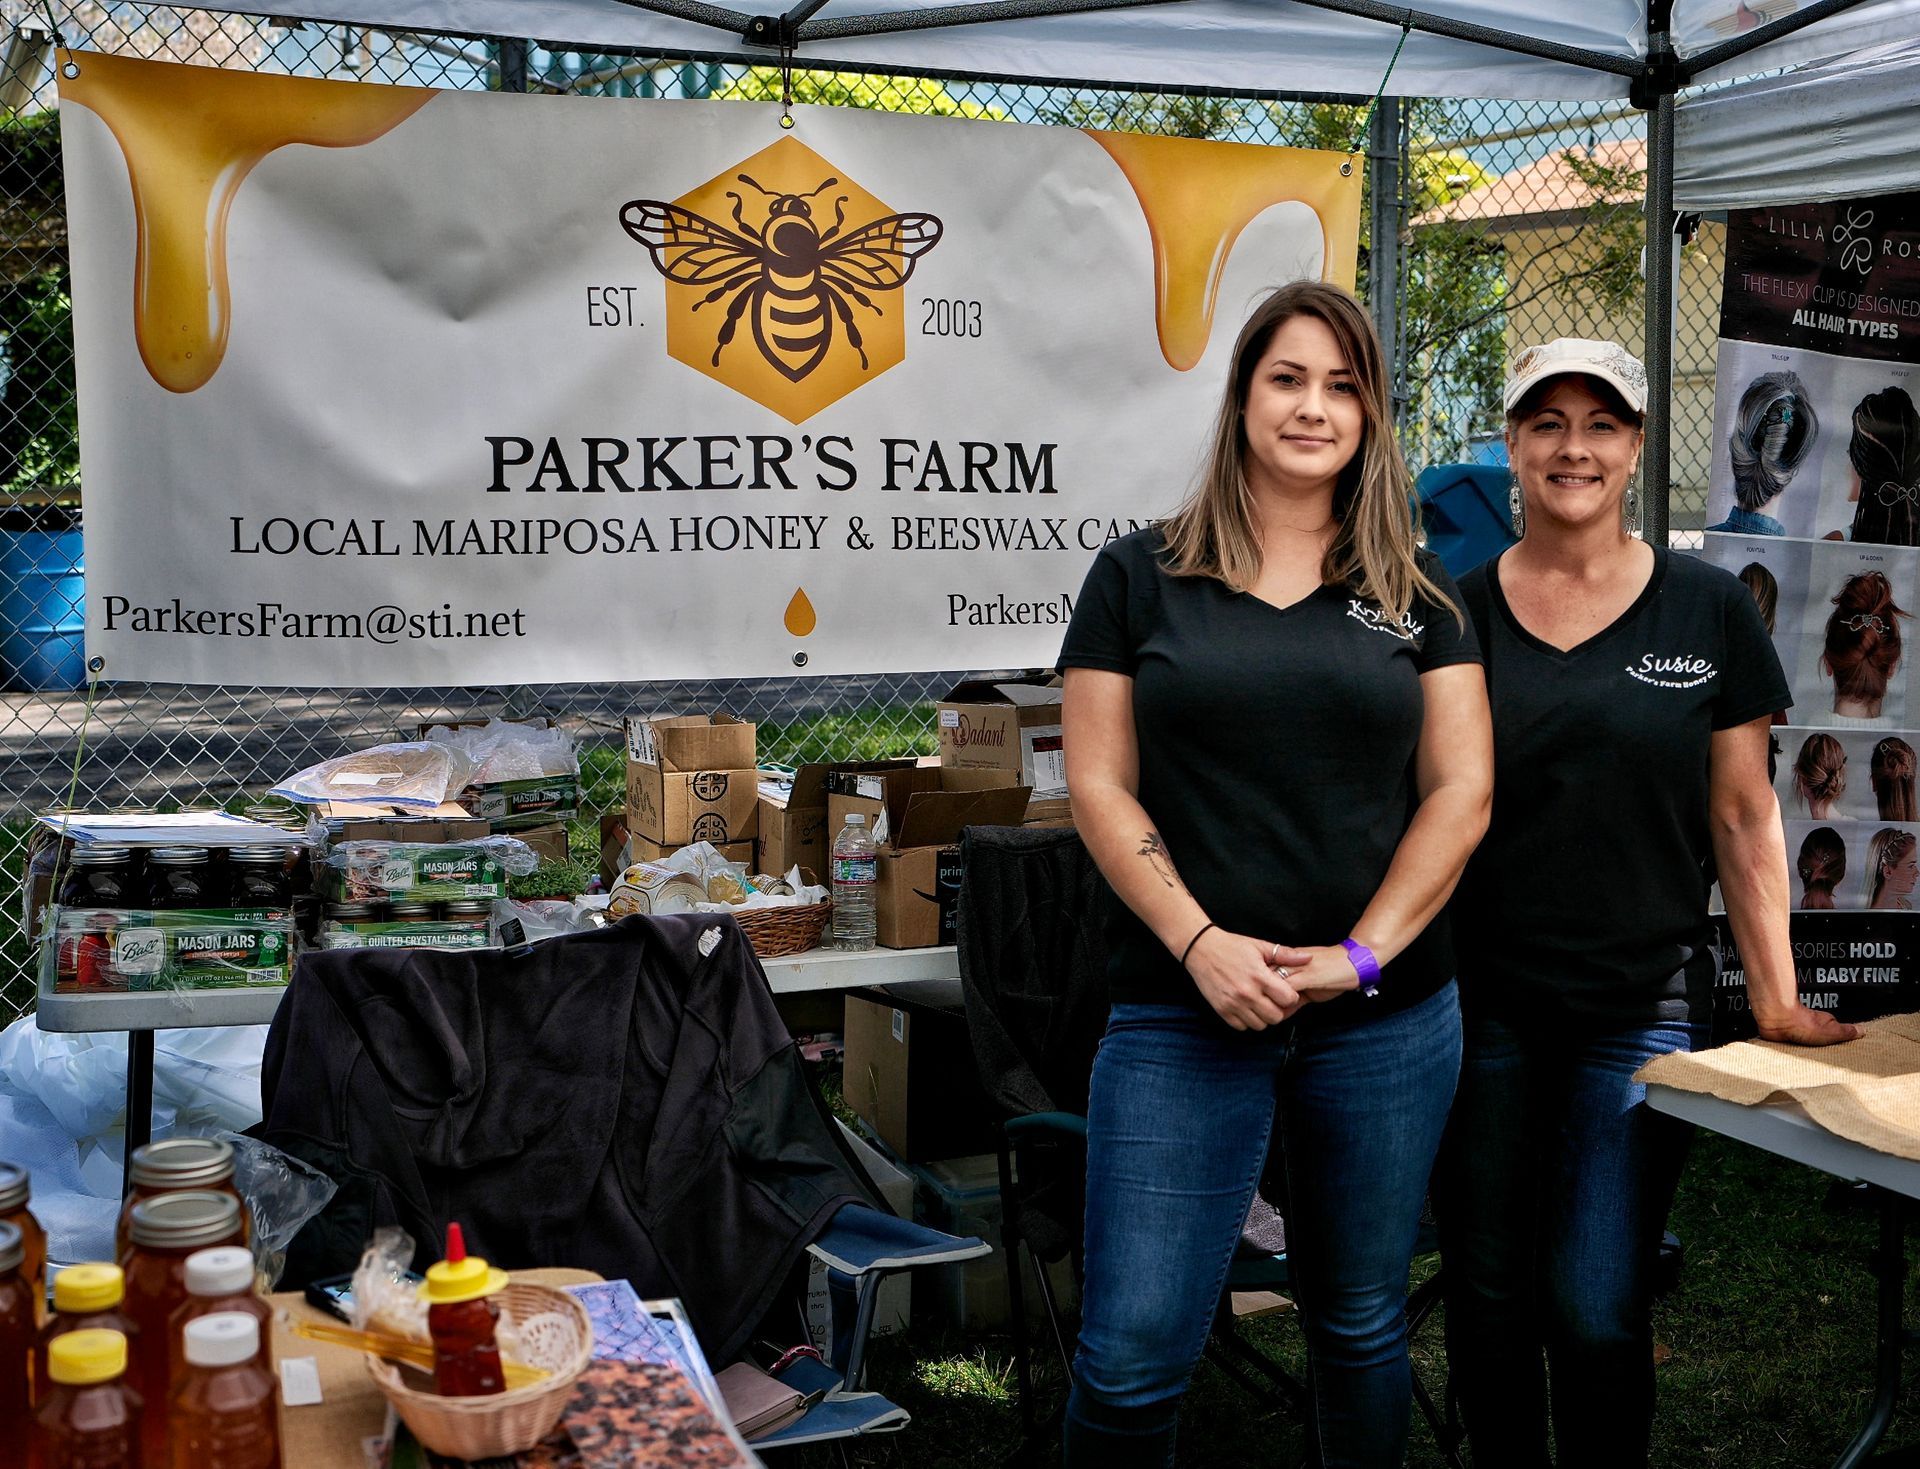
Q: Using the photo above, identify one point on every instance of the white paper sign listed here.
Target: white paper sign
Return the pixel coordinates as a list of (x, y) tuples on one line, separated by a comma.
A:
[(489, 388)]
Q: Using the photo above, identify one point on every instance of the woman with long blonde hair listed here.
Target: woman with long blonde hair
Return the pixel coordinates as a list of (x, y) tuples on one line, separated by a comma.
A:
[(1277, 748)]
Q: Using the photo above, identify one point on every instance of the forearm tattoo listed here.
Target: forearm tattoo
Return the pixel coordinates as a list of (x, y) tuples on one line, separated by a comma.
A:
[(1155, 851)]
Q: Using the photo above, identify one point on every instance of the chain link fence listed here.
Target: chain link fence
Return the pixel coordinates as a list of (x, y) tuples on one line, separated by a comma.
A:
[(1516, 221)]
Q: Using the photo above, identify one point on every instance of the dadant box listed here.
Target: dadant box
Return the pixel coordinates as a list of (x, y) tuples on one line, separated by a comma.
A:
[(692, 778), (917, 815), (1007, 724)]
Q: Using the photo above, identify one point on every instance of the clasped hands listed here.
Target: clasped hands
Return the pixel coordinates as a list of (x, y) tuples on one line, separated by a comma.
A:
[(1252, 984)]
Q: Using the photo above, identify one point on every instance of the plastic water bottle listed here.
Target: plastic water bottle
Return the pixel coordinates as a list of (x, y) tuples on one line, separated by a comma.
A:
[(856, 869)]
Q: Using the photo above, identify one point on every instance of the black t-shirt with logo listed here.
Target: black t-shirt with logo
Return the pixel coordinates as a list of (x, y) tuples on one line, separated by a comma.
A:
[(1588, 898), (1276, 749)]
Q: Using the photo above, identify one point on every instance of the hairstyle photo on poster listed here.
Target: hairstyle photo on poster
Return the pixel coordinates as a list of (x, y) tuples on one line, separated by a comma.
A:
[(1777, 573), (1847, 775), (1853, 670), (1766, 444), (1880, 474), (1889, 868)]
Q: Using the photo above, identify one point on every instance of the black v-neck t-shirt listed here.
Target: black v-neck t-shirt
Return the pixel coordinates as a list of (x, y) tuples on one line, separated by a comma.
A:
[(1587, 900), (1276, 748)]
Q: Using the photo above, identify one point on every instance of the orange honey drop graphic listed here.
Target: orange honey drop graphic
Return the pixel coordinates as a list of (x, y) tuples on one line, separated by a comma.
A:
[(800, 618), (1198, 196), (190, 136)]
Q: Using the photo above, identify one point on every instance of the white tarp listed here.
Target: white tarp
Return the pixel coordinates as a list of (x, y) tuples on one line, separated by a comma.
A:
[(1700, 25), (417, 406), (1839, 130), (1234, 45)]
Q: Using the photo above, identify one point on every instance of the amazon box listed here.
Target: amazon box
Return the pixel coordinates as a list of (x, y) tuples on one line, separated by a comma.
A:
[(1011, 725), (793, 814), (692, 778), (917, 815)]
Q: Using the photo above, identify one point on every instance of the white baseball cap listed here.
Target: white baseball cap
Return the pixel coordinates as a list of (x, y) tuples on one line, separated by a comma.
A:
[(1608, 361)]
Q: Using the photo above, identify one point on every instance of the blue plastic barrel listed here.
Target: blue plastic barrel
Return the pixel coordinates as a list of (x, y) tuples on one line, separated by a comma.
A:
[(42, 609)]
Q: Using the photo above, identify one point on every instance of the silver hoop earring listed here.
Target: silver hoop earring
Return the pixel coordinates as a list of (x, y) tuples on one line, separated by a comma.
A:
[(1517, 508), (1630, 511)]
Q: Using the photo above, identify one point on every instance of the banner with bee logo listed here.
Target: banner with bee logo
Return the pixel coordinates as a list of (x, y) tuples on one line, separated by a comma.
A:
[(394, 386)]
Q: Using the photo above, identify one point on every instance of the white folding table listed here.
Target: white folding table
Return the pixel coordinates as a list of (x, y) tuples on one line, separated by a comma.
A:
[(1786, 1131)]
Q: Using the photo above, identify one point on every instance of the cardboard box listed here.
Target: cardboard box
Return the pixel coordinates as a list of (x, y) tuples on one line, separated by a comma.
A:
[(549, 843), (793, 814), (1011, 725), (692, 778), (910, 1077), (925, 808), (371, 821)]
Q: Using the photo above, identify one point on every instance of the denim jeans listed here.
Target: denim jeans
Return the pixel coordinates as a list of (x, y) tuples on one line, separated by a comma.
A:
[(1552, 1192), (1178, 1124)]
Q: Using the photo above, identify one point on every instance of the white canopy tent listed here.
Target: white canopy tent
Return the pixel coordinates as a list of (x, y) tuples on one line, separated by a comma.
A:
[(1753, 137), (1833, 130)]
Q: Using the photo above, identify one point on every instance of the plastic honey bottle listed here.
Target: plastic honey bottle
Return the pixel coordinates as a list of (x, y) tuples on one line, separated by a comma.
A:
[(223, 1410), (221, 1280), (460, 1319), (84, 1296), (89, 1417)]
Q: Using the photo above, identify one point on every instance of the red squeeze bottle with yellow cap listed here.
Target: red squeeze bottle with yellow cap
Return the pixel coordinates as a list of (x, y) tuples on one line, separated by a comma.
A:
[(460, 1319)]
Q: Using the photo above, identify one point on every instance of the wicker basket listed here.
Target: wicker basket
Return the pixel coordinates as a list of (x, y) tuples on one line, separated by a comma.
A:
[(505, 1423), (778, 932)]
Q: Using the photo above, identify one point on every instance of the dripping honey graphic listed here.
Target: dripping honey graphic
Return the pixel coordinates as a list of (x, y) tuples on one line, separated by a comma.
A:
[(800, 619), (1198, 196), (190, 135)]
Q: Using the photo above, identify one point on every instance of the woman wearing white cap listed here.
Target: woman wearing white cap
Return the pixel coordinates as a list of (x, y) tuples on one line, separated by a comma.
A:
[(1632, 691)]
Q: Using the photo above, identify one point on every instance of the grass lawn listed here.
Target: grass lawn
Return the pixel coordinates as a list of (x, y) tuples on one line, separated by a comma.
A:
[(1771, 1332)]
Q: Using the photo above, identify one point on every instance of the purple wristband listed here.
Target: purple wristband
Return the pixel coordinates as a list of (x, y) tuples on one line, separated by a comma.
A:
[(1364, 965)]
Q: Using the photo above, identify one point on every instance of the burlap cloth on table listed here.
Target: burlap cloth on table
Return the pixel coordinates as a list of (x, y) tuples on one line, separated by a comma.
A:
[(1866, 1090)]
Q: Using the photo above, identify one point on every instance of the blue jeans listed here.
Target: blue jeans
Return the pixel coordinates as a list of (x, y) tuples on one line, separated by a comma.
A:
[(1552, 1192), (1178, 1123)]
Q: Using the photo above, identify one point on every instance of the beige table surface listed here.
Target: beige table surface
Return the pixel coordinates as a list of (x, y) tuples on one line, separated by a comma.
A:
[(330, 1433)]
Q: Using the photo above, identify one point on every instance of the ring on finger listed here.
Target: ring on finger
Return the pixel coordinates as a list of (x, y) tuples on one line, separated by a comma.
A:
[(1284, 972), (1274, 957)]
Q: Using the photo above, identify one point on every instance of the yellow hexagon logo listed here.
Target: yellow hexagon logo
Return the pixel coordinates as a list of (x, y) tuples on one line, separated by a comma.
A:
[(783, 277)]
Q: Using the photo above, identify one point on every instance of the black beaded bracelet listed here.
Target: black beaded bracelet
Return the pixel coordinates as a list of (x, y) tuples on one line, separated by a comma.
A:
[(1192, 941)]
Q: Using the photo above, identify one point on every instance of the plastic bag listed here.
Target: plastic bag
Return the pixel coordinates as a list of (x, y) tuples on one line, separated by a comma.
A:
[(282, 1194), (386, 1300), (547, 919), (503, 750), (417, 773)]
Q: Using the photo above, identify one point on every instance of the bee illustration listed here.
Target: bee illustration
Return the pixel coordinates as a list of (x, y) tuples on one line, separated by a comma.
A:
[(793, 277)]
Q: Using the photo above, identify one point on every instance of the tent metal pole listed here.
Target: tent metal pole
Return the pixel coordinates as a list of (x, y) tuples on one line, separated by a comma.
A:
[(1656, 477), (513, 64), (1763, 35), (1386, 163)]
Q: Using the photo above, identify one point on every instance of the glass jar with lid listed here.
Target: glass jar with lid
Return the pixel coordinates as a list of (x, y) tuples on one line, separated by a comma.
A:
[(181, 877), (102, 877), (164, 1231), (176, 1165), (260, 877)]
